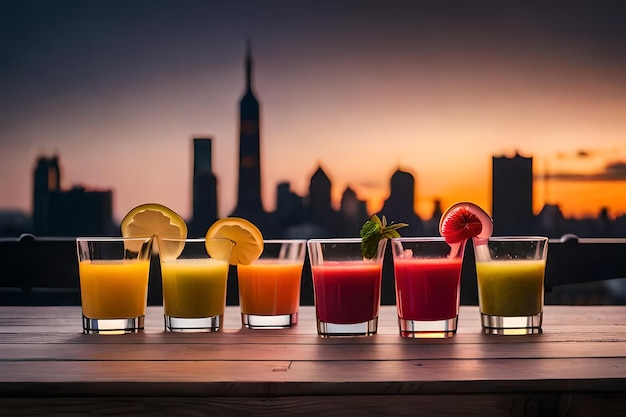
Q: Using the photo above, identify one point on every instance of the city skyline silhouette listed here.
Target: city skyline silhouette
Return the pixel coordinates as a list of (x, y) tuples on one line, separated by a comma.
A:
[(119, 90), (76, 212)]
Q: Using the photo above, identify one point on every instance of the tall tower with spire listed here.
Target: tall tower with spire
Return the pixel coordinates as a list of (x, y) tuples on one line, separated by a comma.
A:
[(249, 203), (249, 191)]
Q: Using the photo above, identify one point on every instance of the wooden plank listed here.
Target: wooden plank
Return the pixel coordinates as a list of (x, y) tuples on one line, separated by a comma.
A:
[(553, 315), (577, 334), (564, 373), (574, 371), (30, 330), (524, 404), (68, 319), (606, 335), (311, 351)]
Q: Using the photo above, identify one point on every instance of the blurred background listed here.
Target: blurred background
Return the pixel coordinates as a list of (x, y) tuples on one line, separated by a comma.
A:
[(308, 117)]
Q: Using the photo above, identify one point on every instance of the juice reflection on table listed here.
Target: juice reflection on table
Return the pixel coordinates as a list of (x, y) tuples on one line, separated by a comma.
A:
[(427, 289), (510, 288), (112, 289), (194, 288), (347, 292), (270, 287)]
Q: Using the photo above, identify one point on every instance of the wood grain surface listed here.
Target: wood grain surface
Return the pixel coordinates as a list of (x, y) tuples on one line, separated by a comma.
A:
[(577, 366)]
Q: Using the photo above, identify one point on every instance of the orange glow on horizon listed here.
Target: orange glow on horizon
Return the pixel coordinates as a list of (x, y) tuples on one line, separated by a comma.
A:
[(361, 103), (576, 199), (585, 199)]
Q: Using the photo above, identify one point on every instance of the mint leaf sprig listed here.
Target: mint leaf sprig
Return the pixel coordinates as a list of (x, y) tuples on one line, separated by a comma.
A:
[(373, 231)]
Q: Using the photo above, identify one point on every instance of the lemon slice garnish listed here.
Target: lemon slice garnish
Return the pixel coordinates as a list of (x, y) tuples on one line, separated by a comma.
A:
[(247, 237), (156, 220)]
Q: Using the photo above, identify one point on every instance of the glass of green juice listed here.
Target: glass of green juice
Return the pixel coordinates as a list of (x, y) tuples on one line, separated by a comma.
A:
[(194, 283), (113, 283), (510, 273)]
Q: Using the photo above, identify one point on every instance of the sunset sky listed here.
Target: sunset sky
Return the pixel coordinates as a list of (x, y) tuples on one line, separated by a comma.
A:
[(361, 87)]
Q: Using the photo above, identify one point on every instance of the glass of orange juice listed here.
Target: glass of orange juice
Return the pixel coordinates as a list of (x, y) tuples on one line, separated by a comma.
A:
[(113, 283), (194, 283), (269, 287)]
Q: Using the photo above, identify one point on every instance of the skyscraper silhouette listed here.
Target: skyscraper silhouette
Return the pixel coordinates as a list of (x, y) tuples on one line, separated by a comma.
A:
[(512, 195), (81, 212), (353, 214), (249, 191), (47, 178), (204, 198), (400, 206), (319, 207), (249, 203), (288, 206), (72, 212)]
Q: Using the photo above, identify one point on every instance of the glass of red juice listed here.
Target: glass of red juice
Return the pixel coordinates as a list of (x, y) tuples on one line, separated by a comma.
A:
[(427, 274), (346, 287)]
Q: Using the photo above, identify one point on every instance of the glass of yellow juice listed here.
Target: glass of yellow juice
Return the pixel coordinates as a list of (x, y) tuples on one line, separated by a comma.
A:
[(113, 283), (269, 287), (194, 275), (510, 273)]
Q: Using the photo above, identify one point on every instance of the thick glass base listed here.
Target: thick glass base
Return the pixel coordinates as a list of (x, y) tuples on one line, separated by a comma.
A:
[(199, 324), (253, 321), (427, 329), (511, 325), (112, 326), (366, 328)]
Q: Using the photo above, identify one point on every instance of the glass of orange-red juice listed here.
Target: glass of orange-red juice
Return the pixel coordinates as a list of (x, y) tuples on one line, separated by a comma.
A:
[(427, 273), (269, 287), (113, 283), (346, 286)]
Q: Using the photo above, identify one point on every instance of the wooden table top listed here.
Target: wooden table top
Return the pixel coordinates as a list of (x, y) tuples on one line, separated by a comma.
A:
[(47, 364)]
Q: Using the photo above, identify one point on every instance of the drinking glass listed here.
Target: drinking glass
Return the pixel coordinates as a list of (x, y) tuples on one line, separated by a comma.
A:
[(194, 283), (428, 283), (269, 288), (510, 272), (113, 283), (346, 287)]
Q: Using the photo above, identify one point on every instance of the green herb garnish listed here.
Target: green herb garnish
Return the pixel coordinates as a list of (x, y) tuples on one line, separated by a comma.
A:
[(373, 231)]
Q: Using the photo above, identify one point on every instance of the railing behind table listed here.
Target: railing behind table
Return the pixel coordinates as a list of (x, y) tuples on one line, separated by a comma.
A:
[(44, 271)]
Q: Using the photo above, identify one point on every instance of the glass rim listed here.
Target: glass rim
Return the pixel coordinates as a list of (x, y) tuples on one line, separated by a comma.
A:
[(516, 238), (419, 239), (195, 239), (336, 240), (109, 239), (265, 241)]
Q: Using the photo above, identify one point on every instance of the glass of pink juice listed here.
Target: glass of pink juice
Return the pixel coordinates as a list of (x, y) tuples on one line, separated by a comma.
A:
[(428, 282), (346, 287)]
